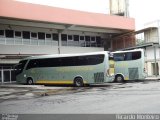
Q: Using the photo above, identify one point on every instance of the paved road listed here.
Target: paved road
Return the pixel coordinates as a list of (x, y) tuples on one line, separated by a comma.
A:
[(136, 97)]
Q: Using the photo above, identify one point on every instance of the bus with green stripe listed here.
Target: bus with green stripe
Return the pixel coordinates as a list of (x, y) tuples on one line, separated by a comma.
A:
[(129, 65), (75, 69)]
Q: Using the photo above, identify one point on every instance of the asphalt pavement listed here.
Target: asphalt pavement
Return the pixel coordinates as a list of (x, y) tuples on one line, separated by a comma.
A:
[(109, 98)]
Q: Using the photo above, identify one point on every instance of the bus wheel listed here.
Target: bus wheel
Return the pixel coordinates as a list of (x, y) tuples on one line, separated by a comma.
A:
[(78, 82), (119, 78), (29, 81)]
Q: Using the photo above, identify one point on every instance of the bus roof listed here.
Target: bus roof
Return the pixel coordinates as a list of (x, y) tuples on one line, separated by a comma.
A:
[(134, 50), (65, 55)]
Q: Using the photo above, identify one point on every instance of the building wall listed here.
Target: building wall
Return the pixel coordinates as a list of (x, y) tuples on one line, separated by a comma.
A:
[(122, 42), (156, 25), (37, 50), (79, 49), (148, 69), (151, 68), (150, 53), (150, 60), (60, 28), (17, 45), (151, 35)]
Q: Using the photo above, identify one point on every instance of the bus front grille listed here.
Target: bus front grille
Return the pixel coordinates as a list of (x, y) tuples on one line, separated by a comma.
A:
[(99, 77), (133, 73)]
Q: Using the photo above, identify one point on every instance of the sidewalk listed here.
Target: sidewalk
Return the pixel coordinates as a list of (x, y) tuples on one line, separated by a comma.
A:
[(153, 78), (18, 91), (15, 85)]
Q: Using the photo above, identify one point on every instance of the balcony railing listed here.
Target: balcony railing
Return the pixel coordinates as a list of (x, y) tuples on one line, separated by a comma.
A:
[(49, 42)]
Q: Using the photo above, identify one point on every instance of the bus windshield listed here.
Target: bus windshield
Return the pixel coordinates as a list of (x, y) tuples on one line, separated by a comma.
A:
[(19, 67)]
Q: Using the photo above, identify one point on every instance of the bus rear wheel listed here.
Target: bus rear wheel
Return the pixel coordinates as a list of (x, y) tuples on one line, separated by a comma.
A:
[(119, 79), (78, 82), (29, 81)]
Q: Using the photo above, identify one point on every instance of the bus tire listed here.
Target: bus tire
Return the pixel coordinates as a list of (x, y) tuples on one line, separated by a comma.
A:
[(78, 82), (29, 81), (119, 78)]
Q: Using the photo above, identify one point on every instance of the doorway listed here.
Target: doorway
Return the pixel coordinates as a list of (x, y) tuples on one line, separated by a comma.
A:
[(7, 74), (155, 68)]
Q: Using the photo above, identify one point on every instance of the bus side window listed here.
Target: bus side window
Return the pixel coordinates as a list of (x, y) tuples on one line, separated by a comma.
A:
[(132, 55), (67, 61), (92, 60), (119, 57), (128, 56), (89, 60), (95, 59), (32, 64), (136, 55), (81, 60)]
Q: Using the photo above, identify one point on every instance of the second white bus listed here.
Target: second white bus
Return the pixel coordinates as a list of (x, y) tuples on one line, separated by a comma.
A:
[(129, 65)]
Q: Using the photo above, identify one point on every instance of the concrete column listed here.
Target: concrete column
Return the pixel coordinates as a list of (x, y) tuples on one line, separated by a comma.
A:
[(155, 61), (59, 42), (126, 8), (158, 31), (10, 76), (2, 76)]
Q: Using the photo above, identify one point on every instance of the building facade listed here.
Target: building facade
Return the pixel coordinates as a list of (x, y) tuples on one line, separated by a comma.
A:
[(28, 29), (149, 39)]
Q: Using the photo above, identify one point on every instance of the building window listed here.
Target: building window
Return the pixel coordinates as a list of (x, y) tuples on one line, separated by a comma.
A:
[(76, 37), (70, 37), (98, 38), (88, 43), (55, 36), (155, 68), (64, 37), (87, 38), (1, 32), (18, 34), (9, 33), (26, 35), (81, 37), (34, 35), (99, 41), (93, 42), (48, 36), (93, 39), (41, 35)]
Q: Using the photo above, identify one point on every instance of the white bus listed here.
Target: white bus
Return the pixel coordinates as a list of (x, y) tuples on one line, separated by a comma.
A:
[(77, 69), (129, 65)]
